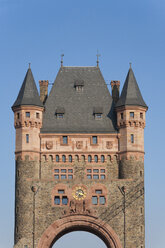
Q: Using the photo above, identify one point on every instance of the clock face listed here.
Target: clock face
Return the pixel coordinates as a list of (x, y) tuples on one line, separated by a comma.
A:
[(79, 193)]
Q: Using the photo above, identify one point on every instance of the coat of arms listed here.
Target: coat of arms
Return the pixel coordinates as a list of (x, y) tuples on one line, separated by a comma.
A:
[(109, 144), (49, 145), (79, 144)]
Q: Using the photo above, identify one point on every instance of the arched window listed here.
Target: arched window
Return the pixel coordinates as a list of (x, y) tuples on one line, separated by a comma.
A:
[(89, 158), (102, 158), (77, 158), (109, 158), (70, 158), (57, 158), (96, 158), (50, 157), (63, 158), (83, 158)]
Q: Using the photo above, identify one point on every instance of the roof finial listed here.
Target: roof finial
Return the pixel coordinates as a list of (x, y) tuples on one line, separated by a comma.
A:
[(98, 55), (29, 65), (62, 55), (130, 65)]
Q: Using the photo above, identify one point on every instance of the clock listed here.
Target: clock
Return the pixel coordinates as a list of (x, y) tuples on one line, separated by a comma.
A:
[(79, 193)]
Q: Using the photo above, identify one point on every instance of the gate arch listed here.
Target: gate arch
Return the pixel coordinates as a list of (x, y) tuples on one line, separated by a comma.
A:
[(76, 223)]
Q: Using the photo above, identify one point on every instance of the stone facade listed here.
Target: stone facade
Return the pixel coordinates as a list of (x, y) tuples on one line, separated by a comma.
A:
[(66, 182)]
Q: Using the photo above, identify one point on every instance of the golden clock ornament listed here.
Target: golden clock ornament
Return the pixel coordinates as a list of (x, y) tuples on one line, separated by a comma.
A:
[(79, 193)]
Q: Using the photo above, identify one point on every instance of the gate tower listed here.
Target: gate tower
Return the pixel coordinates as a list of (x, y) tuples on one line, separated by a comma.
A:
[(79, 159)]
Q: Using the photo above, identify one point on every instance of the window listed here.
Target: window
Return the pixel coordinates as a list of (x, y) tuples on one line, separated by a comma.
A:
[(94, 140), (63, 158), (64, 200), (96, 173), (95, 176), (27, 138), (37, 115), (77, 158), (98, 116), (131, 115), (57, 158), (65, 140), (141, 173), (98, 191), (94, 200), (121, 115), (17, 115), (56, 176), (102, 200), (25, 246), (141, 115), (79, 88), (27, 114), (70, 158), (61, 191), (89, 158), (96, 158), (99, 198), (57, 200), (102, 158), (63, 173), (63, 176), (60, 116), (132, 138)]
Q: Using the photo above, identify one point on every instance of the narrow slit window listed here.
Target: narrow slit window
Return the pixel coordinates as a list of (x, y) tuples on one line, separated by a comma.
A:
[(141, 115), (121, 115), (132, 138), (37, 115), (27, 138), (18, 115)]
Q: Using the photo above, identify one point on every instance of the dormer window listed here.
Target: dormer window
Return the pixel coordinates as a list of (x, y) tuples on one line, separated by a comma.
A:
[(79, 85), (98, 112), (60, 113)]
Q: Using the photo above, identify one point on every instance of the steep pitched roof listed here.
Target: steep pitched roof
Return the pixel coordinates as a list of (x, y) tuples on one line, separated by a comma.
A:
[(78, 107), (28, 94), (131, 94)]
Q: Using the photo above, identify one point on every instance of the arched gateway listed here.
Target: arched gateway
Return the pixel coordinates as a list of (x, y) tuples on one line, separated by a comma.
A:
[(79, 159), (79, 222)]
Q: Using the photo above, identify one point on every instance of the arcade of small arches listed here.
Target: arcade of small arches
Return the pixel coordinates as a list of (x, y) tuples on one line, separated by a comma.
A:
[(61, 158)]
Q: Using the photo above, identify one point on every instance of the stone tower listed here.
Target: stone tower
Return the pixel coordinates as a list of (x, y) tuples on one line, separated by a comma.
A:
[(79, 159)]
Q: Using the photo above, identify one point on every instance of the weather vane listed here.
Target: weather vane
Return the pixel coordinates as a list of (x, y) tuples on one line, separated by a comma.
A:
[(130, 65), (62, 55), (98, 55), (29, 65)]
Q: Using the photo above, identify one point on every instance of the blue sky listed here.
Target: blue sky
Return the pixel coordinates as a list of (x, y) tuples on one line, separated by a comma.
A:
[(38, 31)]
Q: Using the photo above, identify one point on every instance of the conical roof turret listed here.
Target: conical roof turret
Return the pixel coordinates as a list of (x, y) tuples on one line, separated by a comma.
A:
[(28, 94), (131, 94)]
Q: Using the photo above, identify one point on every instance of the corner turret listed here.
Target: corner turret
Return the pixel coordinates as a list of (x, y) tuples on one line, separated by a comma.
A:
[(131, 110), (28, 118)]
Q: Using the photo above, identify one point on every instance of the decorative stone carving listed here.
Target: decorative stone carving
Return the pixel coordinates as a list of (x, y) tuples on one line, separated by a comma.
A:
[(78, 207), (49, 145), (109, 144), (79, 144)]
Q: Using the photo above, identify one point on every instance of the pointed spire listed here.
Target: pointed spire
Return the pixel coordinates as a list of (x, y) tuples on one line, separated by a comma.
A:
[(131, 94), (28, 94)]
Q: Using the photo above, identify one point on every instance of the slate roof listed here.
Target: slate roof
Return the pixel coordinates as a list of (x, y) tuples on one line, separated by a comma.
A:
[(79, 106), (131, 94), (28, 94)]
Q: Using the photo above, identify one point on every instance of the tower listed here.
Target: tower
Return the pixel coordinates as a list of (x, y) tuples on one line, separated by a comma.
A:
[(79, 159)]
